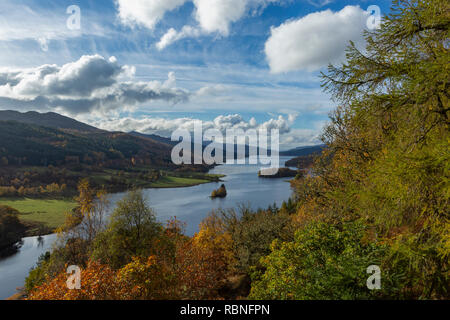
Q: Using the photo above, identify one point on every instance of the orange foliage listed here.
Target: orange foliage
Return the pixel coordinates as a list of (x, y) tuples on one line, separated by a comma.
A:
[(98, 282), (182, 268)]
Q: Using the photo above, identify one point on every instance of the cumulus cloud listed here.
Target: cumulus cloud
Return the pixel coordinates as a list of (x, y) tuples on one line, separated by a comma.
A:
[(289, 137), (212, 16), (172, 36), (146, 13), (91, 84), (216, 15), (314, 41), (165, 127), (300, 137), (212, 90)]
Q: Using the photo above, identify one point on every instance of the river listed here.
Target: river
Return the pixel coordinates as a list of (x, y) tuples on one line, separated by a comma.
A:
[(190, 205)]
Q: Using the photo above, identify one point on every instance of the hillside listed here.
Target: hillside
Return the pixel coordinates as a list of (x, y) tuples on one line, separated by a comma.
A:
[(40, 139), (27, 144), (50, 119), (303, 151)]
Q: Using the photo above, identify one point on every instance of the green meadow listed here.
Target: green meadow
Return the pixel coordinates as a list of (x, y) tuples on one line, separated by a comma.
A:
[(177, 182), (49, 213)]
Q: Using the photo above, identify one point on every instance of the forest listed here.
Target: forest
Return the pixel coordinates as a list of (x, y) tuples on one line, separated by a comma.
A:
[(377, 195)]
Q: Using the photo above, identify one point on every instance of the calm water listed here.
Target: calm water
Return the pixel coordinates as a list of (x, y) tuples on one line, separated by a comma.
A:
[(189, 205)]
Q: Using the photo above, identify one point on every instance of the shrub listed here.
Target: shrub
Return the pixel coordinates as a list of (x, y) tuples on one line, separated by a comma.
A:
[(323, 262), (131, 232)]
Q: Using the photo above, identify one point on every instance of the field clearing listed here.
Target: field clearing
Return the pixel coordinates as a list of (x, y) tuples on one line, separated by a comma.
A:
[(176, 182), (50, 213)]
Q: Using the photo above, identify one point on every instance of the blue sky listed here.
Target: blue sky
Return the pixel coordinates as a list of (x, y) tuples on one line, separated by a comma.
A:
[(240, 63)]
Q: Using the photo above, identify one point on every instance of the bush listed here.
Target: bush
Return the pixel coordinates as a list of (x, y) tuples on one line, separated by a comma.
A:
[(323, 262)]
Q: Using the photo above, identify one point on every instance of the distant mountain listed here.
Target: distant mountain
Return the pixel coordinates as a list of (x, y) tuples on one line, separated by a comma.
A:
[(304, 156), (50, 119), (204, 144), (303, 151)]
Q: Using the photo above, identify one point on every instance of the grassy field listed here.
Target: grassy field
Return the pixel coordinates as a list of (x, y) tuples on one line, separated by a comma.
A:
[(43, 216), (168, 180), (177, 182), (49, 213)]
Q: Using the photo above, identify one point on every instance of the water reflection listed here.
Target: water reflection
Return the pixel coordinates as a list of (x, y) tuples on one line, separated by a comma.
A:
[(14, 268)]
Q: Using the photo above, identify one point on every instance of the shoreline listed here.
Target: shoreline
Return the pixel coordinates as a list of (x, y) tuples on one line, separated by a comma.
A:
[(38, 228), (46, 231)]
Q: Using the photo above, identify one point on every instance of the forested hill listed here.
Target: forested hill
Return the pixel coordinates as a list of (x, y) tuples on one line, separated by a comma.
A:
[(50, 119), (303, 151), (29, 144)]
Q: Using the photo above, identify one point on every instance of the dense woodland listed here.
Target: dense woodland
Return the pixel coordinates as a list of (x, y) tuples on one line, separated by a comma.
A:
[(378, 195), (33, 145)]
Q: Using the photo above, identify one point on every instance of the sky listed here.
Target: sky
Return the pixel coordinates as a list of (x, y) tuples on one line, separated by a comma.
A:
[(154, 66)]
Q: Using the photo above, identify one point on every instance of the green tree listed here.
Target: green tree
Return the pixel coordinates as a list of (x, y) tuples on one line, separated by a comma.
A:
[(386, 165), (131, 232), (252, 233), (389, 140), (323, 262)]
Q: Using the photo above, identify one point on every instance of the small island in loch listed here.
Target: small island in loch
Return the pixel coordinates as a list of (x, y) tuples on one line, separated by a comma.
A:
[(219, 193)]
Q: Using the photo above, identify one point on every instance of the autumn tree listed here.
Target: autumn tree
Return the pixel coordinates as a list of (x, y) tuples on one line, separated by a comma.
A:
[(386, 164), (130, 232)]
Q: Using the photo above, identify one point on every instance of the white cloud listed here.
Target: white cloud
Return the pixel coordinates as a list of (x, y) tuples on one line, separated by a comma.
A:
[(79, 78), (146, 13), (90, 84), (300, 137), (212, 16), (216, 15), (212, 90), (172, 36), (314, 41), (165, 127), (289, 137)]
